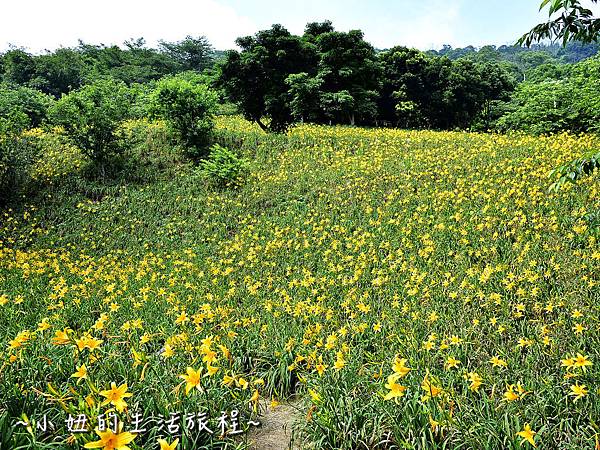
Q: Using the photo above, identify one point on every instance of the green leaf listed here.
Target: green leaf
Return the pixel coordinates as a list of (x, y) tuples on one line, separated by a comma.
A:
[(544, 3)]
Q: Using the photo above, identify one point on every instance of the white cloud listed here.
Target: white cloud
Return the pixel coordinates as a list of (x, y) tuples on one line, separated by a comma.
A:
[(43, 24)]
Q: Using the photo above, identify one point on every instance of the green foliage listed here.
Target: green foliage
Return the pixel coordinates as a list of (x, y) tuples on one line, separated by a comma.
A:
[(574, 170), (546, 72), (59, 72), (420, 90), (91, 116), (188, 106), (20, 109), (571, 103), (255, 78), (223, 167), (192, 53), (323, 76), (305, 96), (23, 106), (327, 76), (539, 108), (65, 69), (575, 22), (348, 74), (16, 158), (519, 56), (410, 90), (18, 66), (7, 153), (134, 64)]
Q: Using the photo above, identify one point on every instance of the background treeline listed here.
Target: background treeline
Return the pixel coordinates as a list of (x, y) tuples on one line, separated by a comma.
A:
[(65, 69), (523, 58), (328, 76)]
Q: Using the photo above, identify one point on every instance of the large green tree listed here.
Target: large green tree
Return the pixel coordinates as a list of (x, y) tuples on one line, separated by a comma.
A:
[(345, 85), (255, 77), (471, 91), (350, 75), (420, 90), (18, 66), (412, 88)]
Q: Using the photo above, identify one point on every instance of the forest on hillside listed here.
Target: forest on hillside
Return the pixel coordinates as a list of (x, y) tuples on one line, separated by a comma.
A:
[(329, 76)]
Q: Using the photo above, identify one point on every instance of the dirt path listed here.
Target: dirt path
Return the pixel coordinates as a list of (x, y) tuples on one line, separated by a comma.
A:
[(275, 433)]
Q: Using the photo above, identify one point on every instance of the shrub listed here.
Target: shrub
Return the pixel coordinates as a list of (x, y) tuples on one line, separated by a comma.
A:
[(153, 148), (153, 136), (223, 167), (6, 159), (23, 106), (141, 99), (91, 116), (16, 157), (57, 157), (188, 106)]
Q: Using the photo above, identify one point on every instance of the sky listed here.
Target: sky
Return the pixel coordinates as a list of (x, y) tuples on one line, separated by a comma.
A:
[(40, 25)]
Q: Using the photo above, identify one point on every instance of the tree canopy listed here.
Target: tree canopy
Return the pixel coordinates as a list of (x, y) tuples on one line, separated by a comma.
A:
[(329, 76)]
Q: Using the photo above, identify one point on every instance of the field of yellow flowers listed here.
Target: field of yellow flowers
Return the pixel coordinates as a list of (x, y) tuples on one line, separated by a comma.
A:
[(412, 289)]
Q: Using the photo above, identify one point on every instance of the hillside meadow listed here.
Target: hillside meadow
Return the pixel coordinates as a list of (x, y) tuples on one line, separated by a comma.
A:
[(405, 289)]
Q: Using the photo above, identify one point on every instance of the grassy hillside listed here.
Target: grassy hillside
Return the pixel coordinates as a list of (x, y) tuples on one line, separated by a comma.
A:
[(414, 289)]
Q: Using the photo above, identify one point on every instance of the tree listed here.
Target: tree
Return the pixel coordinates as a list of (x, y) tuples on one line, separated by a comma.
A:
[(546, 72), (190, 54), (315, 29), (305, 96), (575, 23), (344, 87), (495, 82), (574, 52), (412, 85), (189, 106), (22, 106), (91, 116), (422, 90), (58, 72), (570, 103), (350, 74), (255, 78), (134, 64), (464, 93), (19, 66)]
